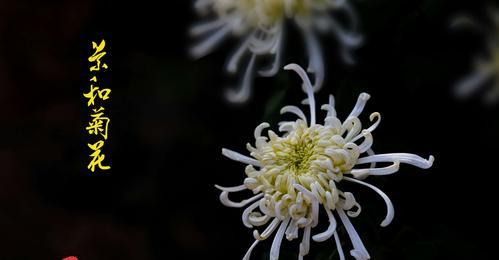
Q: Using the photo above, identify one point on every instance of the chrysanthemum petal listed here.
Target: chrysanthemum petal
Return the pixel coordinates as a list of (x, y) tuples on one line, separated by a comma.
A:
[(305, 243), (338, 245), (276, 243), (208, 44), (316, 63), (276, 63), (235, 58), (359, 106), (243, 93), (294, 110), (389, 205), (308, 88), (248, 253), (331, 111), (268, 231), (239, 157), (247, 212), (206, 27), (231, 189), (408, 158), (359, 248), (330, 230), (224, 198)]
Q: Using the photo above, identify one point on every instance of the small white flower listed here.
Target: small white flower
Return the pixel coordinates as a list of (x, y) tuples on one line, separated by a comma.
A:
[(295, 175), (261, 24), (486, 69)]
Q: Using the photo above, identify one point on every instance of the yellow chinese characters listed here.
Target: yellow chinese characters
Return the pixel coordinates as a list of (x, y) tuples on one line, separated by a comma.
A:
[(97, 157), (98, 126), (94, 92), (97, 56), (99, 123)]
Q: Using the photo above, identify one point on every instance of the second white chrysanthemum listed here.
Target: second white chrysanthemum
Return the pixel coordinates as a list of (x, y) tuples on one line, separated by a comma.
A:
[(261, 24), (296, 174)]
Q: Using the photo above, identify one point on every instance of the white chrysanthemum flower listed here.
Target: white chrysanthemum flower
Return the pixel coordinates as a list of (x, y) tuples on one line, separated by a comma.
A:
[(261, 25), (296, 175), (486, 69)]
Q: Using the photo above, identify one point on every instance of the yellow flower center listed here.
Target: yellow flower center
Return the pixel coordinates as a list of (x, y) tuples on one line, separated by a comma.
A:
[(297, 160), (306, 155)]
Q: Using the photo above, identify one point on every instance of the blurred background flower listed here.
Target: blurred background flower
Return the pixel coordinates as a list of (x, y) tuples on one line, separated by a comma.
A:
[(262, 26), (486, 66)]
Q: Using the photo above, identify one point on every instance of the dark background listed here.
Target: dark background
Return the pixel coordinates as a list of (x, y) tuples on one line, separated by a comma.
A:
[(169, 122)]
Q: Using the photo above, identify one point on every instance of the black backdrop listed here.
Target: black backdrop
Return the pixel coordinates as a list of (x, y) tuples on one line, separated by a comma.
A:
[(169, 123)]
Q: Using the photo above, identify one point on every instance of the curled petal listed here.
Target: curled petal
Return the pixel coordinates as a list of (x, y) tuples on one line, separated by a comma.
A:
[(368, 141), (224, 198), (375, 125), (295, 110), (359, 106), (268, 231), (330, 230), (247, 212), (258, 130), (257, 219), (349, 200), (389, 206), (251, 183), (353, 126), (362, 173), (408, 158), (356, 213), (331, 111), (286, 126)]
